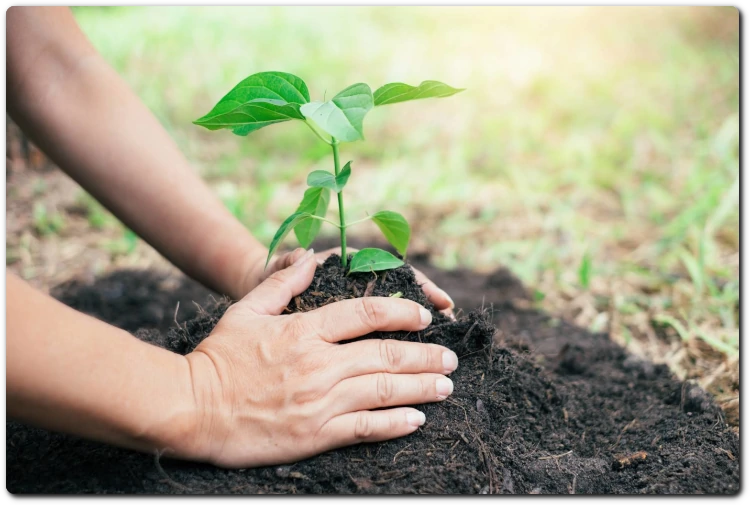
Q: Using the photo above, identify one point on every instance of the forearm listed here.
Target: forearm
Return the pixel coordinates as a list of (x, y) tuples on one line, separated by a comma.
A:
[(83, 115), (69, 372)]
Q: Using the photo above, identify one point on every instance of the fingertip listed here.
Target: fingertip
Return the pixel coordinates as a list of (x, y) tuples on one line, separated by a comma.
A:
[(442, 300), (425, 317), (303, 257), (294, 256), (415, 418)]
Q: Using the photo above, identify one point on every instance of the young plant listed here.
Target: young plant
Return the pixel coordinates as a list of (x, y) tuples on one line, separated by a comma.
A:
[(274, 97)]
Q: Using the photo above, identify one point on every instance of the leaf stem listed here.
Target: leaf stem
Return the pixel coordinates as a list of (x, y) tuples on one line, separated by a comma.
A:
[(340, 196), (358, 221), (317, 133), (326, 220)]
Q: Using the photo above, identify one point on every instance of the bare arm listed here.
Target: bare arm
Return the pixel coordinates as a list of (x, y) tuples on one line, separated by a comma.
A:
[(72, 373), (79, 111), (83, 115)]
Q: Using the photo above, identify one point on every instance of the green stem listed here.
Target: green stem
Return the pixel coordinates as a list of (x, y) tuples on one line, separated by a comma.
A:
[(326, 220), (358, 221), (340, 195), (317, 133)]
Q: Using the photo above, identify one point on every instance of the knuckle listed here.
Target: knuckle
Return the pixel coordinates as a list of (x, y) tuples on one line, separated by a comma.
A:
[(384, 388), (430, 357), (364, 428), (391, 355), (426, 388), (370, 313), (298, 326), (278, 280)]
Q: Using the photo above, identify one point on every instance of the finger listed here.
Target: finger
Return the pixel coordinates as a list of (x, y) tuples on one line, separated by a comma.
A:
[(380, 390), (449, 314), (365, 426), (392, 356), (284, 261), (353, 318), (437, 296), (274, 294)]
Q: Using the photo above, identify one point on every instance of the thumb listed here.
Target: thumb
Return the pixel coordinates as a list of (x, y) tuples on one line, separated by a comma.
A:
[(284, 261), (274, 294)]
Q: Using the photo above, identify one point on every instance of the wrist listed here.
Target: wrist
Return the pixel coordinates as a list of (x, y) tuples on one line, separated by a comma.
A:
[(207, 427), (170, 427)]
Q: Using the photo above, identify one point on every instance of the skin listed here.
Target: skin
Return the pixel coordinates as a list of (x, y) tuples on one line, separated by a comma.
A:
[(262, 388)]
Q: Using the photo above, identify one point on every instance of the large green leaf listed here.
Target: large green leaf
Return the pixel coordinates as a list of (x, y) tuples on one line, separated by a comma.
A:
[(285, 228), (342, 116), (259, 100), (395, 229), (314, 202), (399, 92), (324, 179), (373, 260)]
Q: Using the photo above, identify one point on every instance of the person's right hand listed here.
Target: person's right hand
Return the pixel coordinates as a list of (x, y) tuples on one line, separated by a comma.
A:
[(272, 389)]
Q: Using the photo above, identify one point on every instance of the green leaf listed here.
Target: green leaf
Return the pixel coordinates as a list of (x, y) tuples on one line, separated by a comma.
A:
[(343, 176), (259, 100), (399, 92), (395, 229), (284, 229), (342, 116), (373, 260), (324, 179), (314, 202)]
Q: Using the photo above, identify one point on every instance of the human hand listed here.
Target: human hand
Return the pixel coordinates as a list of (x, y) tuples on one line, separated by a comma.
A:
[(273, 389), (437, 296)]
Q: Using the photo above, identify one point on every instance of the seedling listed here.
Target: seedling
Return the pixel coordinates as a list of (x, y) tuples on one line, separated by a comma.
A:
[(274, 97)]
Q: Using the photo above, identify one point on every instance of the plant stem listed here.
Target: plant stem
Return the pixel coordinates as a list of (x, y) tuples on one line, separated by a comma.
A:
[(317, 133), (340, 195), (358, 221), (325, 220)]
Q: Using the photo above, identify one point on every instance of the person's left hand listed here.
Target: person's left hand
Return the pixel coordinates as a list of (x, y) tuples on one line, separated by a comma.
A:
[(437, 296)]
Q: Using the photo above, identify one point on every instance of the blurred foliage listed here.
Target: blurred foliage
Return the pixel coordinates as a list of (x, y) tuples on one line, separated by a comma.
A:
[(595, 151)]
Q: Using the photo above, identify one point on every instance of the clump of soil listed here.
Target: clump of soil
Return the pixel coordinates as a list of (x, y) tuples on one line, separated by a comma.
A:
[(543, 407)]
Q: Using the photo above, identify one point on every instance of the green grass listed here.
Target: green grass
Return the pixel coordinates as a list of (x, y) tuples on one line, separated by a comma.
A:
[(592, 146)]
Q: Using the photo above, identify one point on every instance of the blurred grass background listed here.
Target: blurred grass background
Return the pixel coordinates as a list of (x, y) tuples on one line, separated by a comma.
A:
[(595, 152)]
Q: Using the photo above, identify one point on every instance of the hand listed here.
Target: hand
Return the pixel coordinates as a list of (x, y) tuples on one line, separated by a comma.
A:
[(272, 389), (437, 296)]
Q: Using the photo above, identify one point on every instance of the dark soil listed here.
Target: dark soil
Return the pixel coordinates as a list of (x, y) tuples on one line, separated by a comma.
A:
[(539, 406)]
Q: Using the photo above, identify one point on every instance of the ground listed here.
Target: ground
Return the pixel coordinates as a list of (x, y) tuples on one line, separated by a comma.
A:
[(539, 407)]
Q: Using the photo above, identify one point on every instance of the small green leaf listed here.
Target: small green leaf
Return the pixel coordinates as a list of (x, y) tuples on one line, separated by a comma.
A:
[(395, 229), (373, 260), (314, 202), (324, 179), (260, 100), (343, 176), (399, 92), (342, 116), (284, 229)]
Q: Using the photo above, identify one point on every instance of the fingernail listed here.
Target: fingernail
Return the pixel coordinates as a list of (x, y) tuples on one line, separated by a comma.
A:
[(415, 418), (444, 387), (450, 361), (304, 258), (450, 300), (425, 317), (297, 254)]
